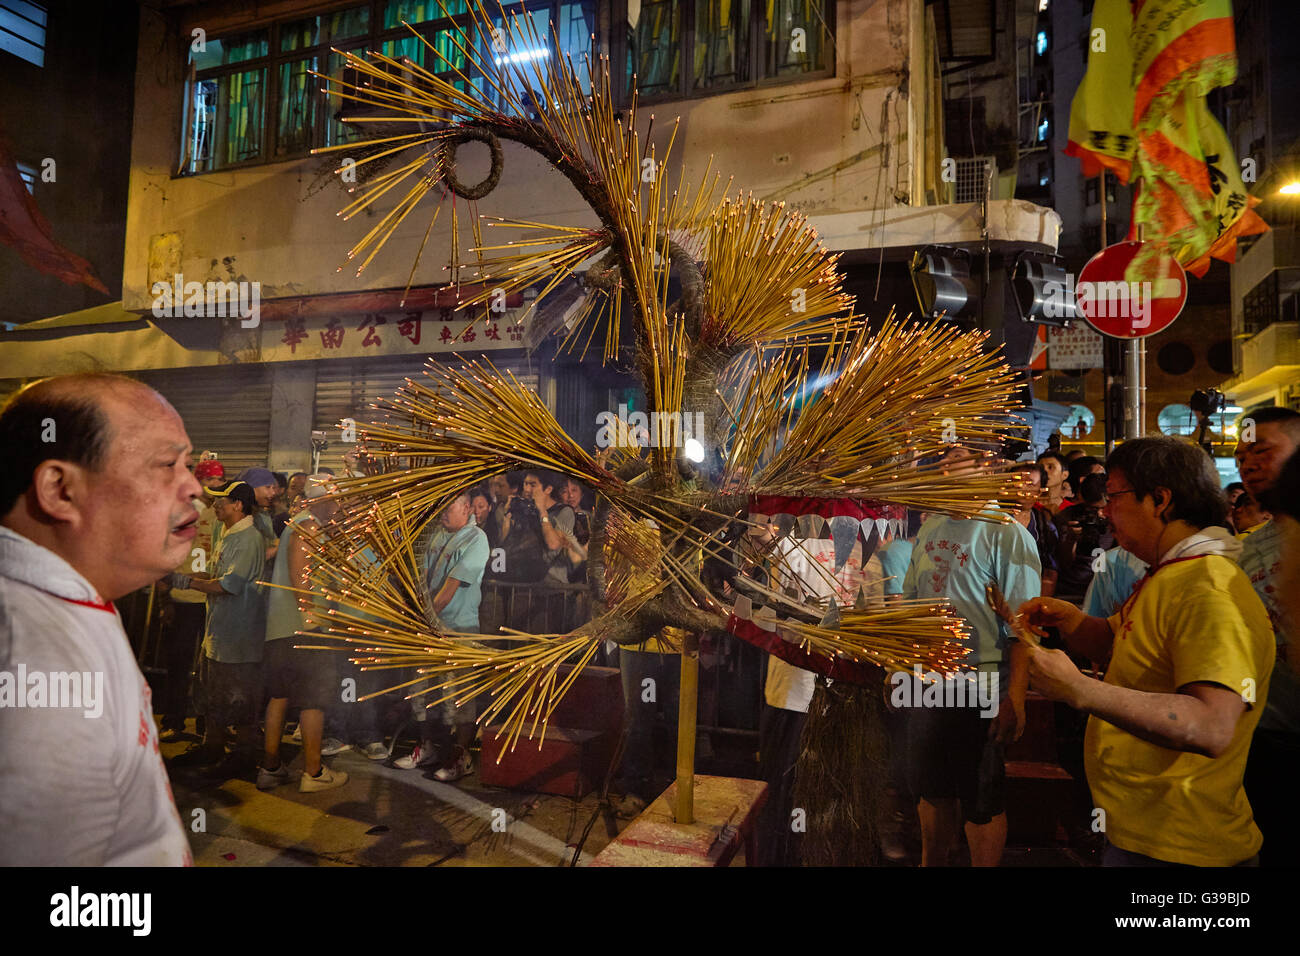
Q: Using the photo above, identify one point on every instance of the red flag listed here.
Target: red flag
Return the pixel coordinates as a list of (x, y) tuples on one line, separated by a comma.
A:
[(23, 227)]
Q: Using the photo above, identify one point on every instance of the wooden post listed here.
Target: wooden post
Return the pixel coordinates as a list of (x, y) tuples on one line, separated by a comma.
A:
[(687, 706)]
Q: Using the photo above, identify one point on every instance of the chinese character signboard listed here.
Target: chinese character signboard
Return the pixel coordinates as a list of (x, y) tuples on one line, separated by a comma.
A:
[(1077, 347), (401, 333)]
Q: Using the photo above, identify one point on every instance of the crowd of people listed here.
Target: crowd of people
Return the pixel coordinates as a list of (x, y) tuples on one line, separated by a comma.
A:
[(1159, 607), (1135, 591), (511, 552)]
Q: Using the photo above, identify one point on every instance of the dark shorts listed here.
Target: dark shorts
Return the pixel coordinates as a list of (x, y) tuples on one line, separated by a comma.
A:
[(232, 695), (951, 755), (308, 678)]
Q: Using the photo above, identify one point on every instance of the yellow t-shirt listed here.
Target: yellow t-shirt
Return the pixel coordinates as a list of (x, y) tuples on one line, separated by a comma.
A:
[(1196, 619)]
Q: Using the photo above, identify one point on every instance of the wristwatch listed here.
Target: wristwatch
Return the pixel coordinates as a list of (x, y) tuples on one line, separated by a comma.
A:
[(546, 519)]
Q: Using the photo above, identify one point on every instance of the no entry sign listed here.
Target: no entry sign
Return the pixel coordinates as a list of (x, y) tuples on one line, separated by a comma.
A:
[(1129, 310)]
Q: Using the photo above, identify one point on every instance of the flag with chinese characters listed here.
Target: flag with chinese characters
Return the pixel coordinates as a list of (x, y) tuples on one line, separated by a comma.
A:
[(1157, 60), (1101, 116)]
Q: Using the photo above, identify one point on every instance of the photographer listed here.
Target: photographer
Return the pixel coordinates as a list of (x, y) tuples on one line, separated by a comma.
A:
[(556, 521), (1084, 529), (517, 532)]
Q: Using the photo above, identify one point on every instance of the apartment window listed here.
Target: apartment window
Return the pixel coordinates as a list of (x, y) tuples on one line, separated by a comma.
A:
[(28, 176), (22, 30), (1092, 190), (683, 47), (253, 99), (1260, 306)]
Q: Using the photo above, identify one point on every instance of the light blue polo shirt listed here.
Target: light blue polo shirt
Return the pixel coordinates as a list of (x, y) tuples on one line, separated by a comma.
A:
[(236, 626), (462, 555), (957, 558)]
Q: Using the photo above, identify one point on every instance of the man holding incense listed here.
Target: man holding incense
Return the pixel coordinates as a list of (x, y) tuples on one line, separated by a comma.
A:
[(1190, 654)]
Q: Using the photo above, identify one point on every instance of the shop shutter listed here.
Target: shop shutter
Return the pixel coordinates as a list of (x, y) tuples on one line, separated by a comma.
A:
[(226, 409), (347, 388)]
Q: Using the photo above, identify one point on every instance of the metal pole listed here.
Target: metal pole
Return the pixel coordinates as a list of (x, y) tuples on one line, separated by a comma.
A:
[(687, 706), (1133, 362), (1109, 374), (1135, 379)]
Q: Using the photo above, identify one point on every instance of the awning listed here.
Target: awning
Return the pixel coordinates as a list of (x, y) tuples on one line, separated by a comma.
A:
[(103, 338), (1044, 418)]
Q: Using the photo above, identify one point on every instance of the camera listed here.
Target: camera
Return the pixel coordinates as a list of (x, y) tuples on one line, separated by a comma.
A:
[(1093, 525)]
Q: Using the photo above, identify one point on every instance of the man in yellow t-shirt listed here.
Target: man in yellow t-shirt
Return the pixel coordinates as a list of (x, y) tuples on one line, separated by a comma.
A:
[(1190, 654)]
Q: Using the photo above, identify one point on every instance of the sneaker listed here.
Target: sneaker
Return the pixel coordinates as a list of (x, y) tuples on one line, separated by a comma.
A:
[(375, 751), (270, 779), (462, 765), (422, 756), (332, 745), (328, 780), (297, 734)]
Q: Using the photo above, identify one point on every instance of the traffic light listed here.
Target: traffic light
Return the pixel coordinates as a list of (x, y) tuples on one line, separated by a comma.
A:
[(943, 284), (1044, 293)]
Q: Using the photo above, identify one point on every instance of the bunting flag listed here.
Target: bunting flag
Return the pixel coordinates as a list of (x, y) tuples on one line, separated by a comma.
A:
[(1141, 113)]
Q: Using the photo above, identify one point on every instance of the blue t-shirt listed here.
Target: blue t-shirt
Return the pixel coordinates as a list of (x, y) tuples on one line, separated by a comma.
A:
[(283, 617), (957, 558), (1111, 587), (894, 558), (462, 555)]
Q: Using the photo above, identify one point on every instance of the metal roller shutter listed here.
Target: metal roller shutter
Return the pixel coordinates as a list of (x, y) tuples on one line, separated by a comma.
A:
[(226, 409), (348, 389)]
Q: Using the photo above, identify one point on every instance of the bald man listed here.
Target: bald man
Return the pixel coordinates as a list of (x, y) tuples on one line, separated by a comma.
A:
[(95, 502)]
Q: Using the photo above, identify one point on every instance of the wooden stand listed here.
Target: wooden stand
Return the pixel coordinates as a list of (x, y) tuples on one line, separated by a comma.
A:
[(697, 821), (687, 706), (726, 813)]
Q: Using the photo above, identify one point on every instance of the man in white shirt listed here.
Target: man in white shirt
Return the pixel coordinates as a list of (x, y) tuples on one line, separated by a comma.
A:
[(95, 502)]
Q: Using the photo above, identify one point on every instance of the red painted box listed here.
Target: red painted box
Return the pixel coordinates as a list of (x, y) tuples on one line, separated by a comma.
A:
[(570, 763)]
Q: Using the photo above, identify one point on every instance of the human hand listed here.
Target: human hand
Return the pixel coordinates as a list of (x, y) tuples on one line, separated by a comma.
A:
[(1043, 612), (1053, 674)]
